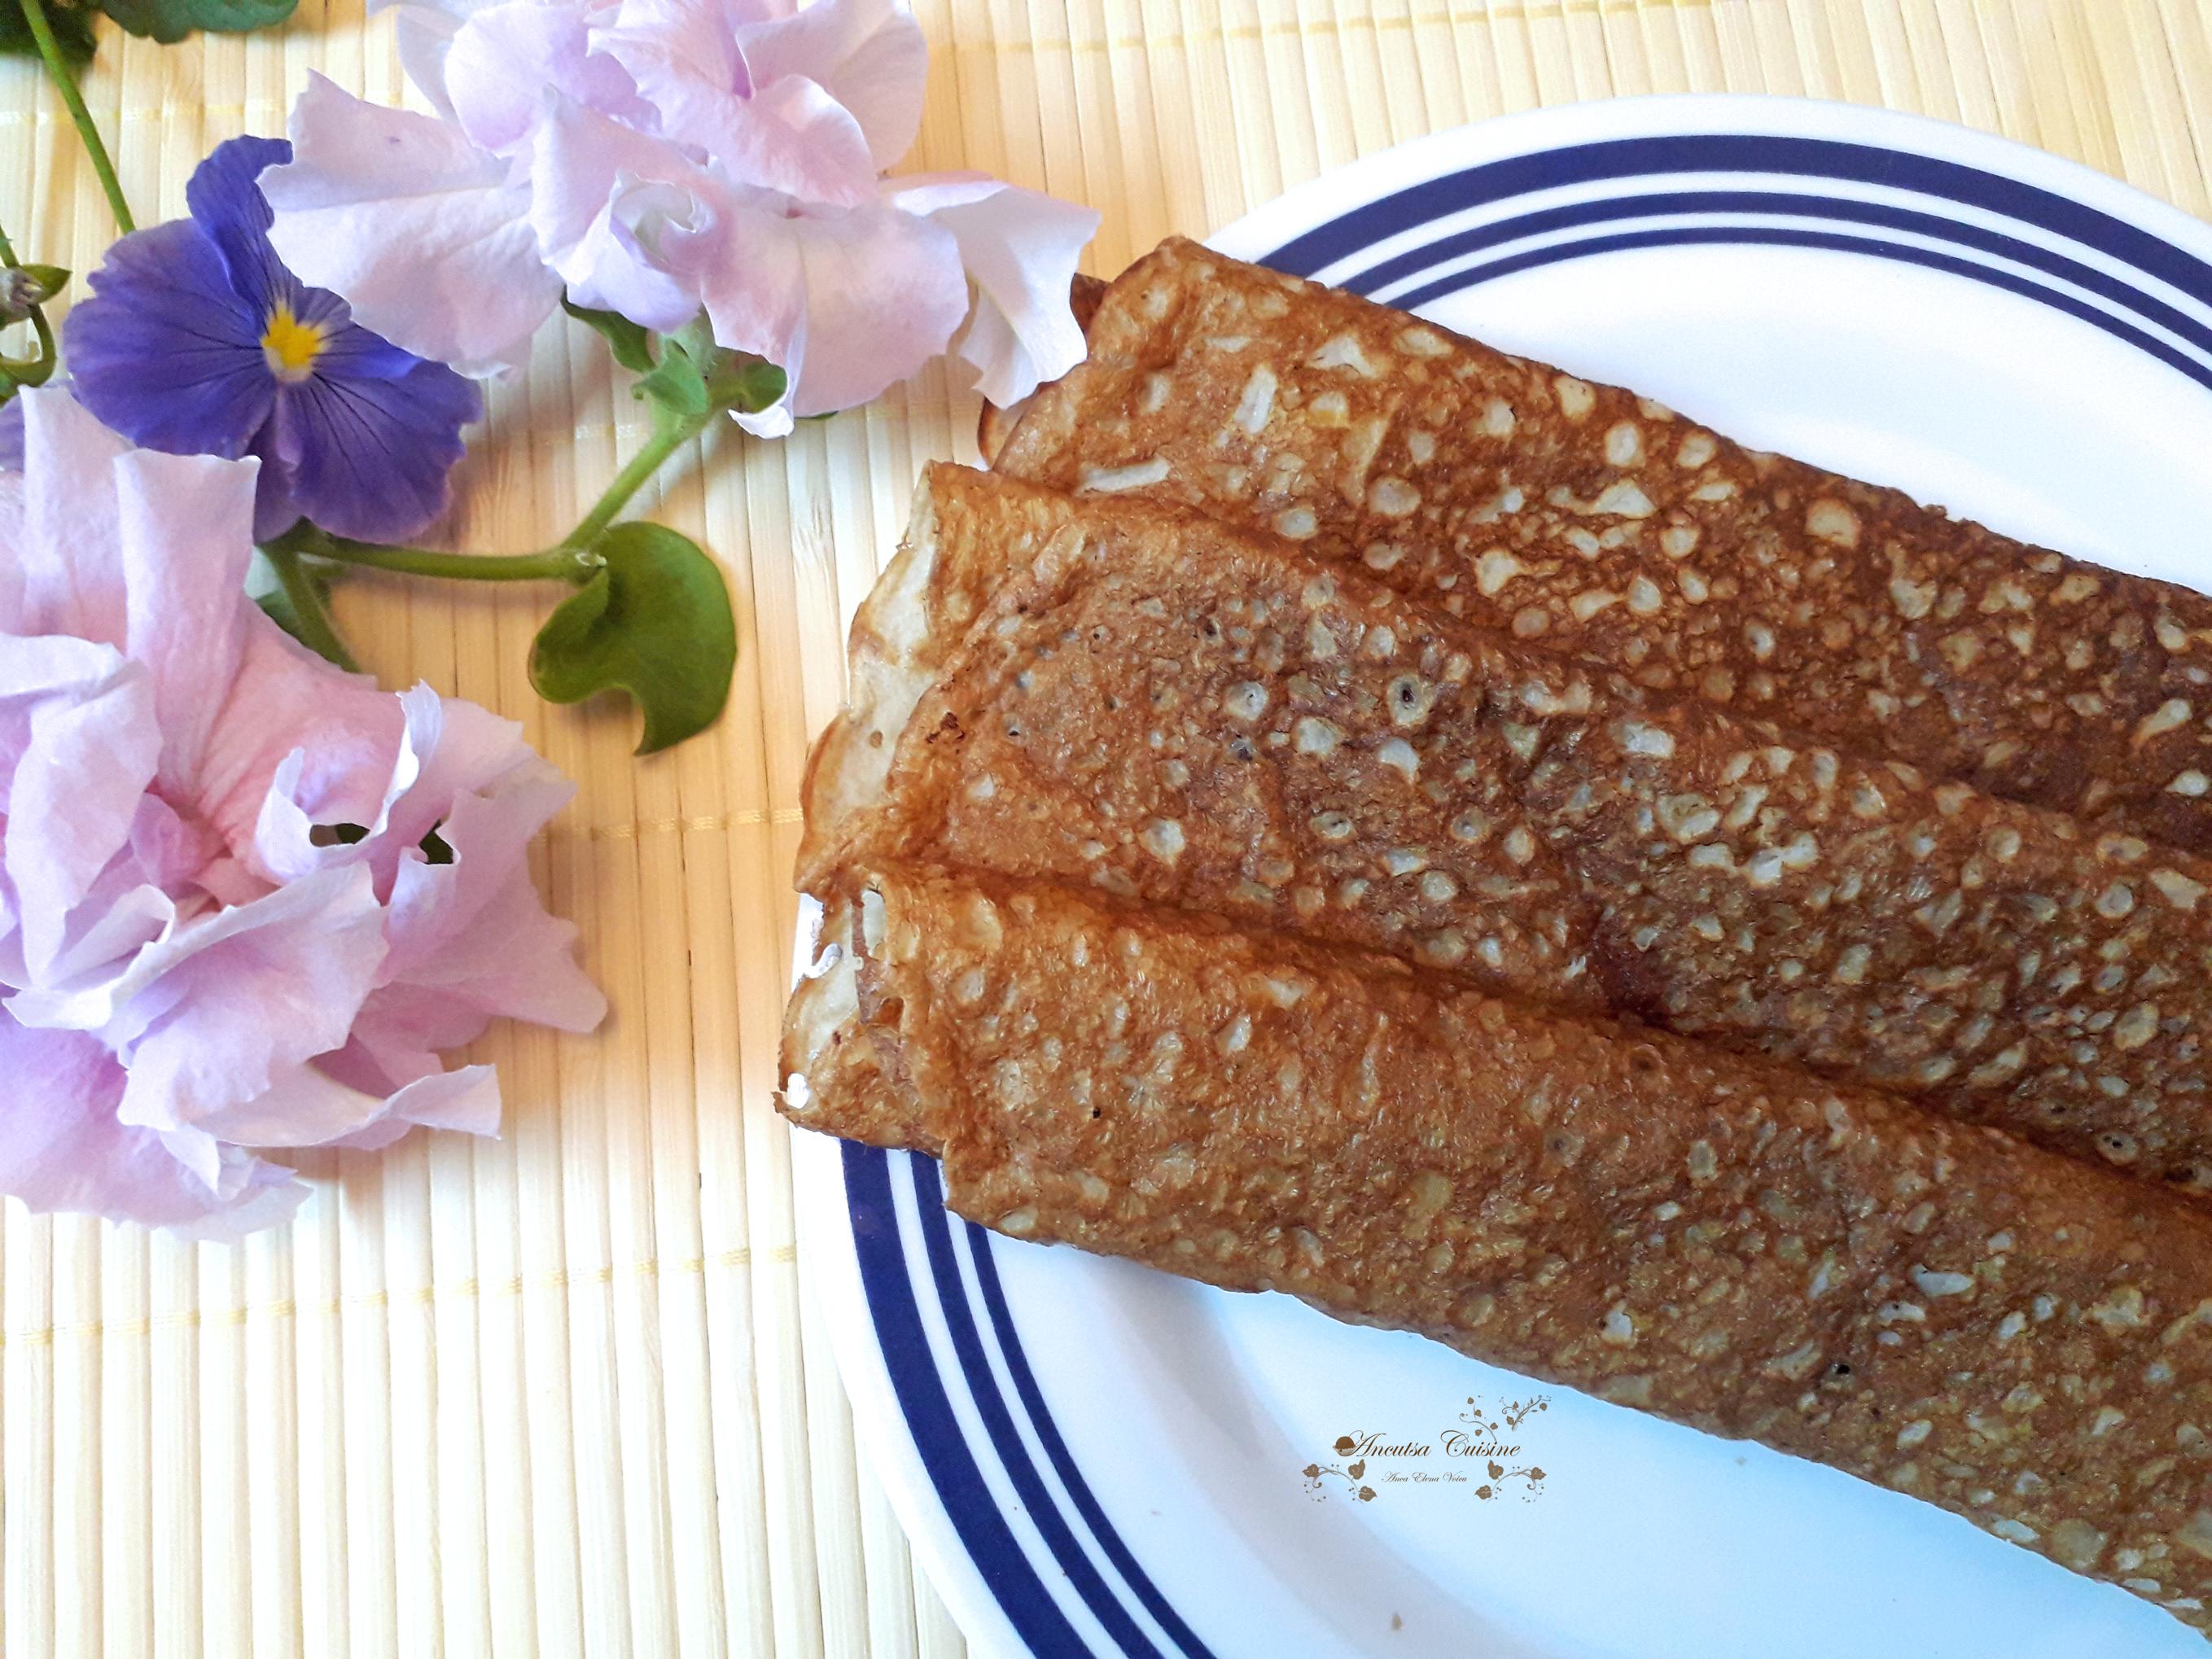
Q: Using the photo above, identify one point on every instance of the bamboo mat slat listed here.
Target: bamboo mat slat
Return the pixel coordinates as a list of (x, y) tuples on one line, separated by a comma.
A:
[(565, 1393)]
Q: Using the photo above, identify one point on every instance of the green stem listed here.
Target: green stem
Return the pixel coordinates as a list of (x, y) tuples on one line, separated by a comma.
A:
[(671, 432), (565, 564), (16, 372), (34, 13), (574, 560), (316, 631)]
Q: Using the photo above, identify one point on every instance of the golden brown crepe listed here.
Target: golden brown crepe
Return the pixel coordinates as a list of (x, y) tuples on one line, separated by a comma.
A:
[(830, 1048), (2021, 1339), (1103, 692), (1604, 524), (1263, 843)]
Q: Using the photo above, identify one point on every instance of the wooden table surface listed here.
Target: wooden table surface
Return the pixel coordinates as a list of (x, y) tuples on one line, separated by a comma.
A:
[(565, 1393)]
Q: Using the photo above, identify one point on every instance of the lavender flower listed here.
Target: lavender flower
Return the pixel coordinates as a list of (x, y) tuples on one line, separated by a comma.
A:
[(660, 158), (199, 342), (247, 900)]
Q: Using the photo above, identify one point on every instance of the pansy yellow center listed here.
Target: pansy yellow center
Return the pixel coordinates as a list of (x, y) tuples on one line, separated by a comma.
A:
[(291, 346)]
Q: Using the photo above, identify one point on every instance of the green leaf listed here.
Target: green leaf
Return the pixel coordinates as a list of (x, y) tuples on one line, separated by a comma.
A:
[(676, 384), (632, 345), (745, 383), (697, 376), (171, 21), (655, 622), (72, 33)]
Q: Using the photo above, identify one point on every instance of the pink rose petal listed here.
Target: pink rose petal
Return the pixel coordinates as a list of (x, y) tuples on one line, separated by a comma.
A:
[(615, 266), (182, 618), (601, 193), (62, 1147), (788, 134), (73, 795), (846, 303), (72, 572), (287, 701), (505, 59), (667, 156), (427, 236), (464, 1100), (192, 964), (424, 36), (308, 1107), (1021, 249), (868, 55), (207, 1014)]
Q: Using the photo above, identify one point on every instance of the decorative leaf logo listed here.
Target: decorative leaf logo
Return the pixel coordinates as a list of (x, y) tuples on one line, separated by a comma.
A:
[(1526, 1483)]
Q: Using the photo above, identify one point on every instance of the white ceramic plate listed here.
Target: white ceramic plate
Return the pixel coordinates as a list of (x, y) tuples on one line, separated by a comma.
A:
[(1096, 1459)]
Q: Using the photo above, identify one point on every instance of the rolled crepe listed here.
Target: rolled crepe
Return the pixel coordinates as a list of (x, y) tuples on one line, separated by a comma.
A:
[(1137, 699), (834, 1075), (1928, 1305), (1604, 524)]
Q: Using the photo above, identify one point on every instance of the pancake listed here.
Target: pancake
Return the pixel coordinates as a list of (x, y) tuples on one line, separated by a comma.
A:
[(1938, 1308), (831, 1070), (1606, 526), (1182, 714)]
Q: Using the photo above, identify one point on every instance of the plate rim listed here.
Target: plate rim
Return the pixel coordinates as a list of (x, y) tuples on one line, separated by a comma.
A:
[(829, 1246)]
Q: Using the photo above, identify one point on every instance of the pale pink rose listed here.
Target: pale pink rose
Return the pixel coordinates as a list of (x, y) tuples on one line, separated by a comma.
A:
[(658, 158), (245, 898)]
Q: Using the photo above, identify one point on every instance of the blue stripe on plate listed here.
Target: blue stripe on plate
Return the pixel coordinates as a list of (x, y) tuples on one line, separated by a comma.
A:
[(1781, 204), (1352, 232), (884, 1268), (982, 1531), (998, 1423), (1777, 236), (1018, 1363)]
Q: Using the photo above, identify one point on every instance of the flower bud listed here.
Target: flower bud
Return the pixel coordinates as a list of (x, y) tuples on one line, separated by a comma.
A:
[(23, 287)]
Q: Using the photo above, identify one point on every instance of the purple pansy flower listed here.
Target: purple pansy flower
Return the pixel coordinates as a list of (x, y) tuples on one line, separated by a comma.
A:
[(198, 341)]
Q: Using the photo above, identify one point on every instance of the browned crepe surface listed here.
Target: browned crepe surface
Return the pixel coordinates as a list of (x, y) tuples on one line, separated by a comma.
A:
[(1264, 902), (1935, 1307), (1137, 699), (1604, 524)]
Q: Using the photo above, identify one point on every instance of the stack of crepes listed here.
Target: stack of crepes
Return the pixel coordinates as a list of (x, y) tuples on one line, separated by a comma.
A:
[(1343, 810)]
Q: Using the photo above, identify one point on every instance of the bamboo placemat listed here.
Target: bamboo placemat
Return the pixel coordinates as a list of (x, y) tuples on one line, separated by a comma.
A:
[(564, 1393)]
